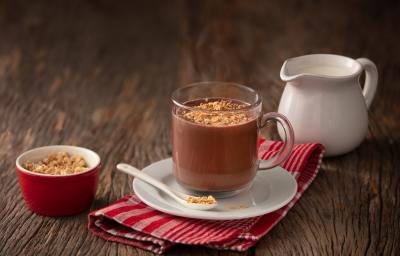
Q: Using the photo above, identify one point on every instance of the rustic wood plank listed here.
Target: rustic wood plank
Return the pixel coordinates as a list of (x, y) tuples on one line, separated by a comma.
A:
[(98, 74)]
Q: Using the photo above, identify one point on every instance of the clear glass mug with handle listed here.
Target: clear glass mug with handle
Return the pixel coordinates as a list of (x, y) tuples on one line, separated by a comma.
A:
[(215, 130)]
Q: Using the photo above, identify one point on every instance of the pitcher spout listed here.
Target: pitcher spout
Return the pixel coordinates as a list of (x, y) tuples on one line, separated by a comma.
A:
[(287, 72)]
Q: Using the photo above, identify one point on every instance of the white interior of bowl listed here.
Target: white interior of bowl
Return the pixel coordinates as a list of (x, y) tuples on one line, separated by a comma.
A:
[(92, 159)]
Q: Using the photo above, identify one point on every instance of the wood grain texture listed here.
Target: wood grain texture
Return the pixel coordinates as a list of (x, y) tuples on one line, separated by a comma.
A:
[(99, 74)]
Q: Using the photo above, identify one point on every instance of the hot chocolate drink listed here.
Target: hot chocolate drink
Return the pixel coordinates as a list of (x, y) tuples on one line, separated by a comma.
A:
[(214, 144), (215, 126)]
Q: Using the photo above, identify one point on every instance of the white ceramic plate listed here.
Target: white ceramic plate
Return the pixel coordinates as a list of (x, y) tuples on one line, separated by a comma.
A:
[(271, 190)]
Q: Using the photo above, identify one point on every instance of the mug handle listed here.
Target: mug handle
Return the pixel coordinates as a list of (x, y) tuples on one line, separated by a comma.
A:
[(371, 79), (287, 144)]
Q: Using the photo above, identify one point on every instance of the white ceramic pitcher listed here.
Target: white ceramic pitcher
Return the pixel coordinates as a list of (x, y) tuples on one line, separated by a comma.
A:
[(324, 101)]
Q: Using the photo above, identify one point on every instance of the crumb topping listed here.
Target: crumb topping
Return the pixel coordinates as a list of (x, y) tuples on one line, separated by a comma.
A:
[(220, 105), (201, 200), (202, 115), (60, 163)]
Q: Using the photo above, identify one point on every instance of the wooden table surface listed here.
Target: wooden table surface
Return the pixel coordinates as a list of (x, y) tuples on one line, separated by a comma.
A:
[(99, 74)]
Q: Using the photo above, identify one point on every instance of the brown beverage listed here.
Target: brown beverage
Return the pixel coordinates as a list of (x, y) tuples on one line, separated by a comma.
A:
[(214, 145)]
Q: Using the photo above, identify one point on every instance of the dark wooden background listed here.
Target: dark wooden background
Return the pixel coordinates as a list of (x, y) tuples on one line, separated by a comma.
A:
[(99, 74)]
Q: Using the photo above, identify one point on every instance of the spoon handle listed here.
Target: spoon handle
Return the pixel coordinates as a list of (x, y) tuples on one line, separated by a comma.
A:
[(130, 170)]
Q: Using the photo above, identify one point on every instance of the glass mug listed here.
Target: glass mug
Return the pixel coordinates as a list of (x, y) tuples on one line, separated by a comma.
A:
[(215, 150)]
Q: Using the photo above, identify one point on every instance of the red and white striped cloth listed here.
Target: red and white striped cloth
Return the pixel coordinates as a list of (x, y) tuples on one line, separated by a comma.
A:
[(132, 222)]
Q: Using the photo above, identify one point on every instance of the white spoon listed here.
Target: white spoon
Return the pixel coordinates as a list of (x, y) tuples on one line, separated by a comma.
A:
[(178, 196)]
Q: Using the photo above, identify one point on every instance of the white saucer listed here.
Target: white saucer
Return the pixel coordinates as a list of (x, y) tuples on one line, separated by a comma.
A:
[(271, 190)]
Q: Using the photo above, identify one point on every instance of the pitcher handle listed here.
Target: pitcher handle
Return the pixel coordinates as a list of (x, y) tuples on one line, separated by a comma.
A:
[(288, 143), (371, 79)]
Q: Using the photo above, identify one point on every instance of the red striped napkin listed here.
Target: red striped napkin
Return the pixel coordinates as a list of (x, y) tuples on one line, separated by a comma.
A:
[(130, 221)]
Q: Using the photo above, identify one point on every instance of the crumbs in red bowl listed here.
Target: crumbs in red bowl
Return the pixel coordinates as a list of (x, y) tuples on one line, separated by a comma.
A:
[(59, 163)]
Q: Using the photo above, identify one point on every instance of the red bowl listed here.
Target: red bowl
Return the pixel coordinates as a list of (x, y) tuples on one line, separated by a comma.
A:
[(58, 195)]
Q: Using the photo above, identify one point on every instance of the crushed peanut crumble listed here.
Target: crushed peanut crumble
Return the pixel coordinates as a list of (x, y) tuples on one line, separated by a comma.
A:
[(60, 163), (208, 113), (201, 200)]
